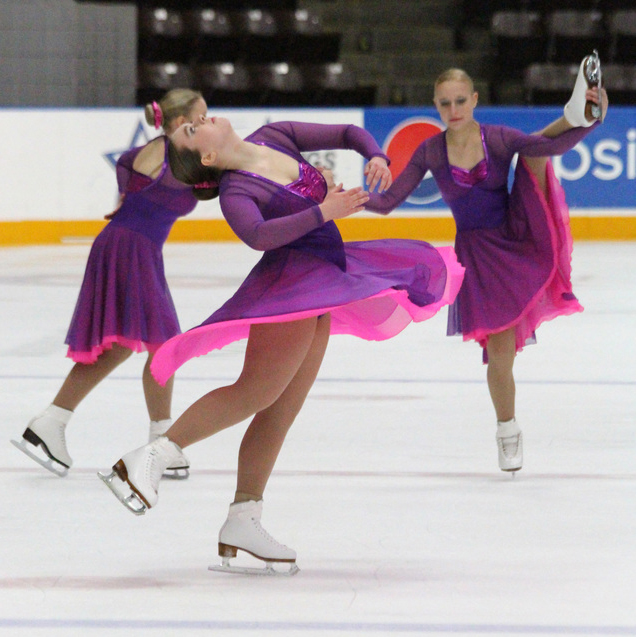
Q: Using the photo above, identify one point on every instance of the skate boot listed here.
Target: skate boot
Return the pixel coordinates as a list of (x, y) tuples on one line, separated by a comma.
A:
[(578, 111), (47, 432), (135, 477), (509, 439), (243, 531), (180, 469)]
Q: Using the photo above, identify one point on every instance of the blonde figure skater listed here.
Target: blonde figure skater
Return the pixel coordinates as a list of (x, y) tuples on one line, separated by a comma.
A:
[(516, 247), (124, 304)]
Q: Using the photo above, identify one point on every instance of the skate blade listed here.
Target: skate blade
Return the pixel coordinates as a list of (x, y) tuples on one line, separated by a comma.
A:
[(181, 473), (593, 74), (131, 501), (48, 463), (268, 570)]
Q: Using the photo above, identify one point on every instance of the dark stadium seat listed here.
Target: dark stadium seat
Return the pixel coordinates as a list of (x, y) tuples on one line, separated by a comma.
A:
[(574, 34), (520, 39), (155, 78), (163, 36), (333, 84), (226, 84), (280, 84)]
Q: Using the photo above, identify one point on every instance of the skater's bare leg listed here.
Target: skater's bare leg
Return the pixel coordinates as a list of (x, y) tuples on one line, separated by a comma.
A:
[(83, 378), (158, 398), (274, 354), (537, 166), (501, 353), (265, 436)]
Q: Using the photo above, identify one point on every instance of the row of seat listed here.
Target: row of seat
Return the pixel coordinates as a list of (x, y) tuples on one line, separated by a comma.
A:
[(525, 37), (250, 35), (549, 83), (480, 13), (236, 85)]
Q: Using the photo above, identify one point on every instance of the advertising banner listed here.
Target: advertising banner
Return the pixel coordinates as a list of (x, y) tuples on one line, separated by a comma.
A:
[(598, 175), (57, 170), (60, 163)]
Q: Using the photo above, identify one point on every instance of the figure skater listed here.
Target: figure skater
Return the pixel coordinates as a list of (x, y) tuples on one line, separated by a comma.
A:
[(308, 285), (124, 303), (516, 247)]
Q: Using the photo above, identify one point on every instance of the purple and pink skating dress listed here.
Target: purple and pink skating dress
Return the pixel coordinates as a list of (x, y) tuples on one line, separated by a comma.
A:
[(515, 247), (372, 289), (124, 297)]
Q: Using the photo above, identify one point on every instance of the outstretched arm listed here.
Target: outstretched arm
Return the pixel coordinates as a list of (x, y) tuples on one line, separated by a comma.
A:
[(308, 137)]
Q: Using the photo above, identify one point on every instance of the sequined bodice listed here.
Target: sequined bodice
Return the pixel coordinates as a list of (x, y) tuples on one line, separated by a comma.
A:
[(475, 175), (310, 184), (470, 177)]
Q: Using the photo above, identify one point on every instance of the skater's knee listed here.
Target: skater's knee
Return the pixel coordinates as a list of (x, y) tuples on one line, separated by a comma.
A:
[(501, 349), (117, 354)]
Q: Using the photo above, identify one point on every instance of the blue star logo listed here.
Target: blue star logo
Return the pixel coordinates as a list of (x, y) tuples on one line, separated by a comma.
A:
[(139, 139)]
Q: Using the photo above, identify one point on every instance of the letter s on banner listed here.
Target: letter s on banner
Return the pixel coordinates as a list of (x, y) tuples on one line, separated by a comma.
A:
[(606, 159)]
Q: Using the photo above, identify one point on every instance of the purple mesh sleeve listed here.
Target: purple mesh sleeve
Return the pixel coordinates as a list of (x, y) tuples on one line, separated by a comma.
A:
[(538, 145), (124, 168), (402, 186), (242, 206), (244, 217)]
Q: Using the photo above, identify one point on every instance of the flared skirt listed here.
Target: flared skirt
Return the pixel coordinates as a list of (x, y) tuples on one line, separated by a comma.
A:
[(519, 274), (387, 284), (124, 297)]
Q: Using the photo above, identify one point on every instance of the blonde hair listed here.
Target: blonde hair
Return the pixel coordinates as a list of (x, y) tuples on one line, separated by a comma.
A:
[(177, 102), (454, 75)]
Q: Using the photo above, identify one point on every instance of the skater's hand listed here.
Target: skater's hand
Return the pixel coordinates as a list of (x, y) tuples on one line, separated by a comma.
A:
[(110, 215), (598, 96), (377, 172), (341, 203)]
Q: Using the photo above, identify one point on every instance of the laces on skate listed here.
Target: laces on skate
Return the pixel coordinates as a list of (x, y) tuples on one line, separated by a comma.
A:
[(242, 531)]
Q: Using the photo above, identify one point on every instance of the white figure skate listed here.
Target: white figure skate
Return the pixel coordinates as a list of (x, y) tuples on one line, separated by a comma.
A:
[(46, 431), (242, 531), (135, 478), (180, 469), (509, 439), (578, 111)]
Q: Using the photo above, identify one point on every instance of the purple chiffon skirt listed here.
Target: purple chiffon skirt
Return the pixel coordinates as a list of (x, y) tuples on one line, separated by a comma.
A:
[(519, 274), (124, 297), (387, 284)]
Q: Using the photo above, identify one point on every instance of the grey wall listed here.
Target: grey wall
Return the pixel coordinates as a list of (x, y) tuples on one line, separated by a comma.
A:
[(62, 53)]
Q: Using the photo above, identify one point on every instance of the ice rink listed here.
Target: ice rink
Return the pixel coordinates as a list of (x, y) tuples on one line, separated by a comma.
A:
[(388, 486)]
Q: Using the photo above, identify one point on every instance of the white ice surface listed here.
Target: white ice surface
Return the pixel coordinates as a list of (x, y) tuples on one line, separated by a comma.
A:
[(387, 487)]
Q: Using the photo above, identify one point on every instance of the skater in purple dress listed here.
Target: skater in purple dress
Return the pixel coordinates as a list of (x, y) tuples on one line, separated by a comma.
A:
[(124, 303), (516, 247), (308, 285)]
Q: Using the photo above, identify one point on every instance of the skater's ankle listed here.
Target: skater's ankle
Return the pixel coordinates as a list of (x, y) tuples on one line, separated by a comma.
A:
[(242, 496), (55, 407)]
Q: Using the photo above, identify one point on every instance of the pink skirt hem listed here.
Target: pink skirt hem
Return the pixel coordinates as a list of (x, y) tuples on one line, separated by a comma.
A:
[(88, 358), (350, 318)]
